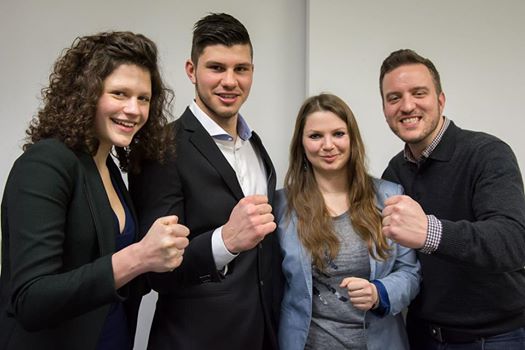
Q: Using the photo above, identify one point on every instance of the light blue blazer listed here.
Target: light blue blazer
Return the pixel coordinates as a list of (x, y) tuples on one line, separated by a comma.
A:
[(400, 275)]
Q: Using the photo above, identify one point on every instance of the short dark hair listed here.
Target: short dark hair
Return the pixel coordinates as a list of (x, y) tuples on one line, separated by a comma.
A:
[(218, 29), (403, 57), (76, 84)]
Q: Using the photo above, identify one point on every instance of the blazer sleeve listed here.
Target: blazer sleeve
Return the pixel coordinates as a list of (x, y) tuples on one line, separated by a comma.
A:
[(401, 273), (402, 282), (38, 195)]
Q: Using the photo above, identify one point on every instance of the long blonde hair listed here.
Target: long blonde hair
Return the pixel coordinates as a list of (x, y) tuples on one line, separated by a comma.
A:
[(314, 223)]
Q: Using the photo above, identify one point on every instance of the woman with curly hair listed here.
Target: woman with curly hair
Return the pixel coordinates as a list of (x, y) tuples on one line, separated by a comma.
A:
[(346, 283), (71, 261)]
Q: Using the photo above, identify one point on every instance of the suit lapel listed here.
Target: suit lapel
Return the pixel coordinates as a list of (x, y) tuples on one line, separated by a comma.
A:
[(99, 206), (204, 143)]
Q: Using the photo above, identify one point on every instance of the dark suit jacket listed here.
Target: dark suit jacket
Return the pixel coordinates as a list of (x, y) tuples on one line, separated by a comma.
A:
[(198, 308), (58, 236)]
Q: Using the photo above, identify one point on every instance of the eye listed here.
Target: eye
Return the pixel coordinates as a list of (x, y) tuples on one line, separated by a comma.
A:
[(242, 69), (339, 133), (117, 93), (145, 98), (216, 68), (392, 98), (420, 93), (314, 136)]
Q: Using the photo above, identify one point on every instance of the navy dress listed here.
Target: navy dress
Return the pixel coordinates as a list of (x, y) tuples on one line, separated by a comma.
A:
[(115, 334)]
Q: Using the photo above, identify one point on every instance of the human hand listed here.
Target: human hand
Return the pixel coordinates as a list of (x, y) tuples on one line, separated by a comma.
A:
[(404, 221), (250, 221), (163, 246), (362, 293)]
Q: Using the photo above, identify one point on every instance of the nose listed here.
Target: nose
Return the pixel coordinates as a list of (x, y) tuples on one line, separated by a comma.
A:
[(328, 143), (229, 79), (132, 106), (407, 105)]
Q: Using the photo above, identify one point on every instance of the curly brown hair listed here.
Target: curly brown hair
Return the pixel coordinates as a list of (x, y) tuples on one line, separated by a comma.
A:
[(76, 84)]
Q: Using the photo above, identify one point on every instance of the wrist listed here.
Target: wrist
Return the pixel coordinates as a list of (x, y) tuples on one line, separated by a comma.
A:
[(376, 295), (136, 259), (126, 265), (227, 239)]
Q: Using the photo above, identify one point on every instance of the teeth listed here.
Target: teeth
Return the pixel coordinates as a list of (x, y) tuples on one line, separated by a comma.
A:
[(409, 120), (124, 123), (228, 96)]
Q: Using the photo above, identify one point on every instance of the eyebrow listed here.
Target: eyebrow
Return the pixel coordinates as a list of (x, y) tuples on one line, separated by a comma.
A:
[(319, 131)]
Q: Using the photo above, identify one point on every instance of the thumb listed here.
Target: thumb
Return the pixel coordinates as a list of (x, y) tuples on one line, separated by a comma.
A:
[(345, 282), (393, 199), (256, 199), (168, 220)]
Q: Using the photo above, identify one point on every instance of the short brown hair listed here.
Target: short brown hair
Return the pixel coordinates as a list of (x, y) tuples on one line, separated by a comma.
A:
[(403, 57), (218, 29)]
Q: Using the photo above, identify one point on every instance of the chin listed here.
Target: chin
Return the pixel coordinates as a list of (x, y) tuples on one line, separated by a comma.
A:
[(122, 143), (227, 114)]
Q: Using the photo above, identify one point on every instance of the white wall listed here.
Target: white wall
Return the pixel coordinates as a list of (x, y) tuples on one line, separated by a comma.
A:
[(34, 32), (477, 46)]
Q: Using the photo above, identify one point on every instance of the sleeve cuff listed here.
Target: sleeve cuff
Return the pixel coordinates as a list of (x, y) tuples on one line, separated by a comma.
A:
[(383, 308), (221, 255), (434, 231)]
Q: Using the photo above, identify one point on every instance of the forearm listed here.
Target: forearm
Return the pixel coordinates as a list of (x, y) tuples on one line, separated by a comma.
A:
[(402, 281), (127, 264)]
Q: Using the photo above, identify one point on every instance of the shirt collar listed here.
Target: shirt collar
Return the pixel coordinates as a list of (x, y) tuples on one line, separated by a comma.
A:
[(430, 148), (215, 130)]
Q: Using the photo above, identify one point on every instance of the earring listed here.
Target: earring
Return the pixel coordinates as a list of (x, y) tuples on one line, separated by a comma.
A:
[(305, 163)]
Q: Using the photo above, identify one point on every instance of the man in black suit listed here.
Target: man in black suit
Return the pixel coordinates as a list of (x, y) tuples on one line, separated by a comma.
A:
[(226, 293)]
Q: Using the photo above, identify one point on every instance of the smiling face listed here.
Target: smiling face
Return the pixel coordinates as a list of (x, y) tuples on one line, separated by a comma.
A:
[(223, 77), (326, 143), (123, 107), (412, 107)]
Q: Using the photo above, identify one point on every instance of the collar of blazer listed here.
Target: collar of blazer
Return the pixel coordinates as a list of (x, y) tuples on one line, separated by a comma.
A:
[(98, 202), (204, 143), (200, 139)]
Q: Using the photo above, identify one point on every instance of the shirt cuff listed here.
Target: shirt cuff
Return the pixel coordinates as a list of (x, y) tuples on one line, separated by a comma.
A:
[(383, 308), (221, 254), (434, 232)]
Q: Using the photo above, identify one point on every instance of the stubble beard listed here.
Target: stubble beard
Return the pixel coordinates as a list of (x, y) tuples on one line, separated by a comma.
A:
[(227, 114)]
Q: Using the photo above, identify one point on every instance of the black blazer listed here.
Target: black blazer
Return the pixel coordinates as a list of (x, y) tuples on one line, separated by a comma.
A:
[(198, 308), (58, 236)]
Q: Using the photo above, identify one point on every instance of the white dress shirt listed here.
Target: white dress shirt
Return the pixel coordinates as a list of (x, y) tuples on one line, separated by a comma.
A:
[(246, 163)]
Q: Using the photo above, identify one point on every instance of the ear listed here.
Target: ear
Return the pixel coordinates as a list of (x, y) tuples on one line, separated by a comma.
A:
[(190, 70), (441, 102)]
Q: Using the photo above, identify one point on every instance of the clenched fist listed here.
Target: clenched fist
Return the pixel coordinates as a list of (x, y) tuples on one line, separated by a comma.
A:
[(250, 221), (163, 246), (362, 293)]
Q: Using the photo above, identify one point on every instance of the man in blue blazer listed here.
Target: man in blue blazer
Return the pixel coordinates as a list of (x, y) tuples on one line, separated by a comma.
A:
[(221, 185)]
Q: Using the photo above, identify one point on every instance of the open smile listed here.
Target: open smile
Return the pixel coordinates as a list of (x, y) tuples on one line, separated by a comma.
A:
[(228, 98), (124, 123)]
